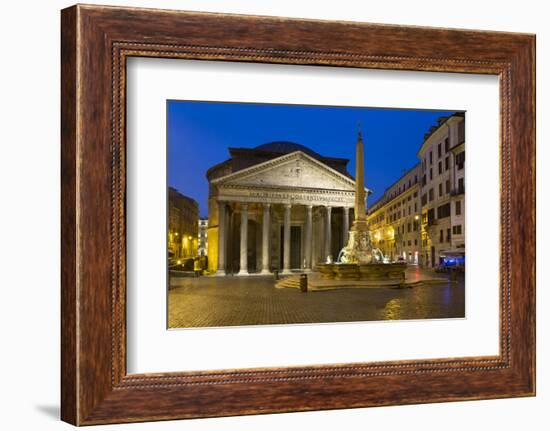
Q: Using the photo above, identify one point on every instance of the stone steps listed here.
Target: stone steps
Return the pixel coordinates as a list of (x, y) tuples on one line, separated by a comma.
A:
[(292, 281)]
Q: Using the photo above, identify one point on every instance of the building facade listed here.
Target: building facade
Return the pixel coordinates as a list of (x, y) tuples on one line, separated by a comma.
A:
[(458, 190), (394, 220), (279, 206), (420, 217), (183, 227), (442, 189)]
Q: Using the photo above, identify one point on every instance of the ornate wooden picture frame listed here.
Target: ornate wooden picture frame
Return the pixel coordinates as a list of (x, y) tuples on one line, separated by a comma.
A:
[(96, 42)]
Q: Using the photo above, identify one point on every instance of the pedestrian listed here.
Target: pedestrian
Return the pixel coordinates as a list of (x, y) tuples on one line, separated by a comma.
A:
[(197, 266)]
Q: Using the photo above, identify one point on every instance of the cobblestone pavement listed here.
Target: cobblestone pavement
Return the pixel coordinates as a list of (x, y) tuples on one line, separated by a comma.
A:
[(237, 301)]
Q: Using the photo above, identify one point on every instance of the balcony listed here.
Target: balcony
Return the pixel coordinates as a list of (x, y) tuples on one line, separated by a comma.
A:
[(457, 191)]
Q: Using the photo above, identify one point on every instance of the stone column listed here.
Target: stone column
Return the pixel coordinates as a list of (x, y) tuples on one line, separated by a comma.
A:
[(345, 226), (308, 237), (221, 238), (243, 267), (286, 239), (265, 240), (328, 236)]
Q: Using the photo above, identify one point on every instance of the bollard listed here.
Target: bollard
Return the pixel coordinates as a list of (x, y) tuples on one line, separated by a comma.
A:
[(276, 274), (403, 279), (303, 283)]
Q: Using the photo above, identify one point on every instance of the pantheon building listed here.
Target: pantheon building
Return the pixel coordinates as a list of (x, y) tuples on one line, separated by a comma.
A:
[(279, 206)]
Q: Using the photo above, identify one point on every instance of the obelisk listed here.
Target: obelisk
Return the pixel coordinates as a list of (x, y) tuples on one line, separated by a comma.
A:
[(359, 247), (360, 222)]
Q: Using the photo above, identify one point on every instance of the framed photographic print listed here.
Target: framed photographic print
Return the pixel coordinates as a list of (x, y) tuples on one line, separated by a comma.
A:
[(266, 215), (281, 216)]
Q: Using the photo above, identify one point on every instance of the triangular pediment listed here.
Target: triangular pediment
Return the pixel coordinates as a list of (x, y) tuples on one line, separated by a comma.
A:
[(293, 170)]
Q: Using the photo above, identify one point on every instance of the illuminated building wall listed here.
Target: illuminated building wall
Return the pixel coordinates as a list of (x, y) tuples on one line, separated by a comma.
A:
[(183, 218), (394, 219)]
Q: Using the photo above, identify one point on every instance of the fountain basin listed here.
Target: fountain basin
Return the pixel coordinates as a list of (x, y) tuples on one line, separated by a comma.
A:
[(388, 273)]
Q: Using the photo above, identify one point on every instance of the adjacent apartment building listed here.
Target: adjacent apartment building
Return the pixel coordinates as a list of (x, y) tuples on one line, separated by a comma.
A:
[(420, 218), (394, 219), (442, 160), (183, 226)]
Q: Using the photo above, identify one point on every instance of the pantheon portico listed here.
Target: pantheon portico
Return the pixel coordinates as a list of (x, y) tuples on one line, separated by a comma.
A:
[(277, 206)]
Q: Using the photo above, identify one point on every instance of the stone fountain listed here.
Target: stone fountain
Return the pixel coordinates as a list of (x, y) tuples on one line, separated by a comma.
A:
[(358, 262)]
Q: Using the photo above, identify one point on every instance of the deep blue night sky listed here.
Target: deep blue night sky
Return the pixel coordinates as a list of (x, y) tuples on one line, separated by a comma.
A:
[(199, 134)]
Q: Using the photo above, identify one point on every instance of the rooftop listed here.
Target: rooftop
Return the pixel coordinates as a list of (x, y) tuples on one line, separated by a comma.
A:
[(284, 147), (242, 158)]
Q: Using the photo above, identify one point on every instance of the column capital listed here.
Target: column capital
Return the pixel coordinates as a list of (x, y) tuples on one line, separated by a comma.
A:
[(267, 205), (328, 208), (244, 205), (309, 207), (288, 206)]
